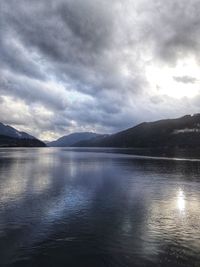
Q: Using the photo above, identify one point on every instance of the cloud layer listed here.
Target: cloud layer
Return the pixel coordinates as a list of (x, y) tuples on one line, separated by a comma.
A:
[(97, 65)]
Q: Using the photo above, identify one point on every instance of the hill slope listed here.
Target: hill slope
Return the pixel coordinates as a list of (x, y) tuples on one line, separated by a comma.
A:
[(71, 139), (182, 132), (10, 137)]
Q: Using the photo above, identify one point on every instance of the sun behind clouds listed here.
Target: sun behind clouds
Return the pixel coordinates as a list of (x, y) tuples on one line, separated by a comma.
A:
[(176, 81)]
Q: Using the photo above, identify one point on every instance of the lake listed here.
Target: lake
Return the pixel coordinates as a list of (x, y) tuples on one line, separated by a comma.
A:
[(96, 207)]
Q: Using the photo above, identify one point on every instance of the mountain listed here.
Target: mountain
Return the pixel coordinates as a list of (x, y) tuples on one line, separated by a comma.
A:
[(71, 139), (182, 132), (10, 137), (7, 130)]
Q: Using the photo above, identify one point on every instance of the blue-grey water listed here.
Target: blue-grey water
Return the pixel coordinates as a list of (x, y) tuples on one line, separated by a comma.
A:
[(89, 208)]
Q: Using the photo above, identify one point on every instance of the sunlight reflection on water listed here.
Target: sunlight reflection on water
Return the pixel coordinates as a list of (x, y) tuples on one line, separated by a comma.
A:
[(181, 201)]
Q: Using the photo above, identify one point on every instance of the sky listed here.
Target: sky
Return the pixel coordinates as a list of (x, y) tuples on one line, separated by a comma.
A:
[(97, 65)]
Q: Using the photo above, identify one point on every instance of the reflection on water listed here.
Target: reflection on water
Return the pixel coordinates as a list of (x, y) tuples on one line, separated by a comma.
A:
[(181, 201), (64, 207)]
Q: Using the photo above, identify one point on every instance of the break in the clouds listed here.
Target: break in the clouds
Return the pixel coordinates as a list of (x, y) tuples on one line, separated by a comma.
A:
[(73, 65)]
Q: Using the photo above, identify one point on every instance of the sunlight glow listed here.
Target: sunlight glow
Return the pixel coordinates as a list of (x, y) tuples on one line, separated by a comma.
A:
[(181, 200), (177, 82)]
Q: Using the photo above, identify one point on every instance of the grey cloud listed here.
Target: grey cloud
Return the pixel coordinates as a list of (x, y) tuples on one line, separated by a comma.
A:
[(32, 91), (15, 59), (90, 22), (174, 28), (185, 79)]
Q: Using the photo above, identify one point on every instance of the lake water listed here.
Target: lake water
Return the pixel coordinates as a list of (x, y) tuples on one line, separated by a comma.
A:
[(89, 208)]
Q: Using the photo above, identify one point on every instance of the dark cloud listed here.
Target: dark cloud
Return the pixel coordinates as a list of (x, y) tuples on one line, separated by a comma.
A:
[(185, 79), (174, 27), (81, 65), (33, 91)]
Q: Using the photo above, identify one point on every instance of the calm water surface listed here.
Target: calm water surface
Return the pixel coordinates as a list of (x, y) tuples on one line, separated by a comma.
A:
[(88, 208)]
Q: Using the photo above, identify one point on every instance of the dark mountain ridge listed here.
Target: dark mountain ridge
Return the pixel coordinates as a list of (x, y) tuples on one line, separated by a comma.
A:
[(182, 132), (7, 130), (10, 137), (71, 139)]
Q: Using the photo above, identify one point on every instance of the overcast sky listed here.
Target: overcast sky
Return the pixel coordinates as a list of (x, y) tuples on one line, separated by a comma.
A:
[(95, 65)]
